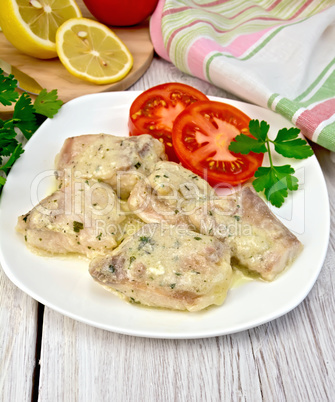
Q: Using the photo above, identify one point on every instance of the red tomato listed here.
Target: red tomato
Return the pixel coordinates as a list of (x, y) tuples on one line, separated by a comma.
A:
[(201, 136), (121, 12), (154, 111)]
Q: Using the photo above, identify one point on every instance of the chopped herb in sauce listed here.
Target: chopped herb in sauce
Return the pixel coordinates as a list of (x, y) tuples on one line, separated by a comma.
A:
[(197, 238), (138, 165), (99, 236), (132, 300), (145, 240), (172, 286), (111, 268), (77, 226)]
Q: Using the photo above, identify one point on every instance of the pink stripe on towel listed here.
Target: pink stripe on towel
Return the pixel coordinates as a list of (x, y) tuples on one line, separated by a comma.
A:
[(310, 119), (156, 31), (202, 47)]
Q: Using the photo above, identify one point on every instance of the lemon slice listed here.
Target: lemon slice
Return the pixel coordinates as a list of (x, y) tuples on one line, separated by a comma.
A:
[(31, 25), (91, 51)]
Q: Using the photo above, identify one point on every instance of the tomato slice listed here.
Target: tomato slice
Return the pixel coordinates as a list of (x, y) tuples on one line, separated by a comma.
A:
[(155, 110), (201, 136)]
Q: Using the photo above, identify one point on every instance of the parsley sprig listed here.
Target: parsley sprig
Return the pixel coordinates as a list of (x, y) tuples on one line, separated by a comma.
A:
[(27, 117), (275, 181)]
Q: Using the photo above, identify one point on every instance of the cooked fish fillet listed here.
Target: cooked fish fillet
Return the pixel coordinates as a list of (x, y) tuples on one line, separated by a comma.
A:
[(165, 195), (83, 218), (258, 240), (167, 266), (118, 161)]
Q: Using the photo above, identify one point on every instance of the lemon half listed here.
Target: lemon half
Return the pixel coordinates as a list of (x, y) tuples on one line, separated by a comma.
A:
[(31, 25), (91, 51)]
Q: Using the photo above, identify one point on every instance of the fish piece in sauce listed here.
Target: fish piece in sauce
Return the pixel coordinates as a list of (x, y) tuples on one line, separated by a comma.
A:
[(118, 161), (165, 195), (258, 241), (167, 266), (82, 218)]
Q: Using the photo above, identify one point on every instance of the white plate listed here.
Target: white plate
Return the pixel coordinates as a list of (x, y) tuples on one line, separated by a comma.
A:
[(65, 284)]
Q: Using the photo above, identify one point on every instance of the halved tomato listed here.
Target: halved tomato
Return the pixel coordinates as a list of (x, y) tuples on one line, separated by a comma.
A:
[(155, 110), (201, 136)]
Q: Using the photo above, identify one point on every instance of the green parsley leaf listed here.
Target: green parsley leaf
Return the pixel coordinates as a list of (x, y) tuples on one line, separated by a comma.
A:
[(27, 117), (286, 134), (275, 181), (8, 141), (47, 103), (14, 156), (289, 145), (259, 129), (243, 144), (8, 95), (24, 116)]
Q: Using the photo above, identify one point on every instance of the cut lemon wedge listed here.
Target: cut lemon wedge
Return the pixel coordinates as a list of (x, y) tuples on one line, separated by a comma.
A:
[(31, 25), (91, 51)]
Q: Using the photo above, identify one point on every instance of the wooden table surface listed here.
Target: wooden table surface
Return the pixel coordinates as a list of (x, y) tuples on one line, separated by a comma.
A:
[(46, 356)]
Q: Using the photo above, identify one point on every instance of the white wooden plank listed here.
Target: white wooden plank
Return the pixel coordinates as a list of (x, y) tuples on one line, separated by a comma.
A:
[(82, 363), (18, 324)]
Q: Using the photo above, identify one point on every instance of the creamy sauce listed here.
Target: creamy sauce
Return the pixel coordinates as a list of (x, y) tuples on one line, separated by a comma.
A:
[(53, 186), (167, 266), (240, 278)]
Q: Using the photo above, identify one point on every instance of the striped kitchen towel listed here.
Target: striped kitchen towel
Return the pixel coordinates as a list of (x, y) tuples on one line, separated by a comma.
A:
[(278, 54)]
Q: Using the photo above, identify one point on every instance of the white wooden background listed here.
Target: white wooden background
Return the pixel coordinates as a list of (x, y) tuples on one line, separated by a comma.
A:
[(289, 359)]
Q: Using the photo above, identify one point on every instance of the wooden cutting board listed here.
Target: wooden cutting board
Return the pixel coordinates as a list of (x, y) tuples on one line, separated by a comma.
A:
[(51, 74)]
